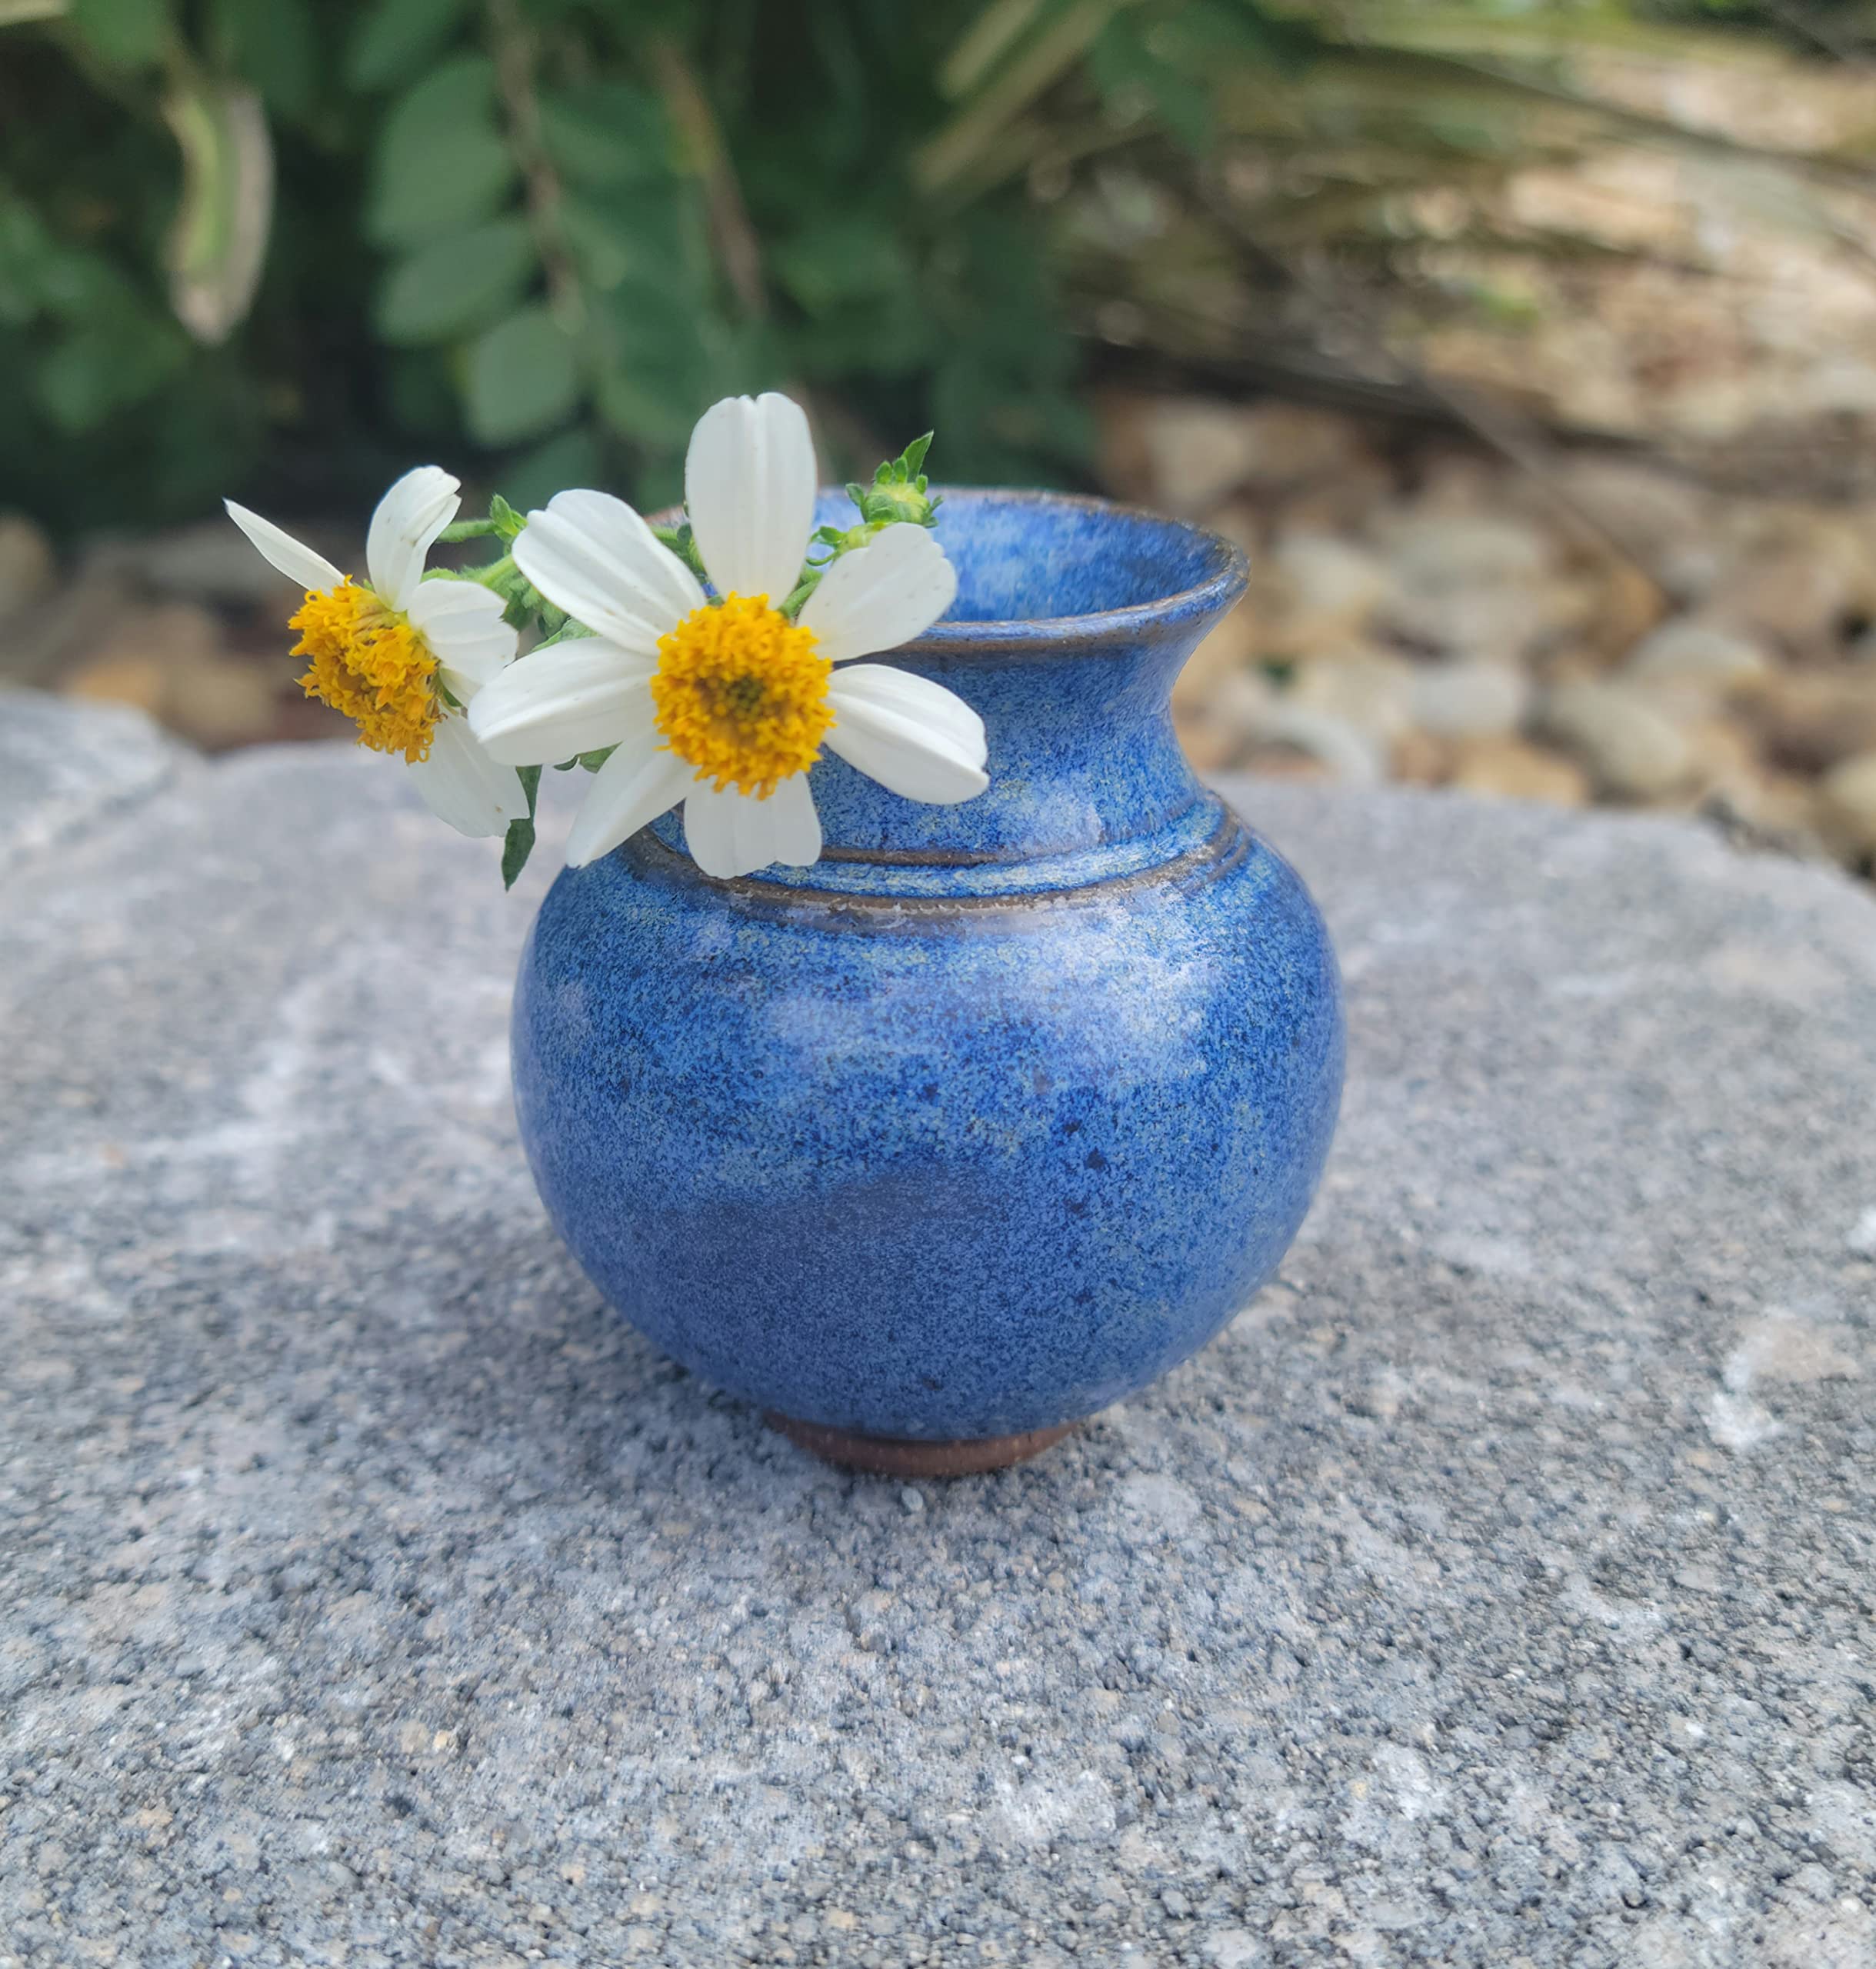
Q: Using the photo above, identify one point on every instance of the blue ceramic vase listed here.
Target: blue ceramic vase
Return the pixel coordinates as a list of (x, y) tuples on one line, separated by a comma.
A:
[(1000, 1110)]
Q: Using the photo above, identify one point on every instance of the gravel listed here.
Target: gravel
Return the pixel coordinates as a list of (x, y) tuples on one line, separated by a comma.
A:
[(1497, 1590)]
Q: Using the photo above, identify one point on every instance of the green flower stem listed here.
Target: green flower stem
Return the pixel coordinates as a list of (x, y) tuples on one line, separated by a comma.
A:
[(526, 603), (802, 589), (680, 542)]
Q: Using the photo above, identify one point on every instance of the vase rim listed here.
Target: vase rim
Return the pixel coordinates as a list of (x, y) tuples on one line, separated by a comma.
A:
[(1098, 628), (1068, 635)]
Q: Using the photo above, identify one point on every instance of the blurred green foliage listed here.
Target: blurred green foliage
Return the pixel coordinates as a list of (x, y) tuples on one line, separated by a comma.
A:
[(549, 230), (314, 239)]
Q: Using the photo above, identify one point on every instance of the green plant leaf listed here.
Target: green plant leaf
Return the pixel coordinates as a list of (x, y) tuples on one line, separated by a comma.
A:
[(27, 251), (442, 162), (616, 242), (105, 366), (395, 38), (653, 407), (605, 134), (521, 378), (568, 458), (518, 845), (655, 378), (128, 34), (276, 47), (455, 283), (1129, 60), (834, 262), (74, 284)]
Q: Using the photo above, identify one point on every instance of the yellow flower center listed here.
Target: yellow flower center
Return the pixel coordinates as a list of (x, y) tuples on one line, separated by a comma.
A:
[(742, 694), (367, 662)]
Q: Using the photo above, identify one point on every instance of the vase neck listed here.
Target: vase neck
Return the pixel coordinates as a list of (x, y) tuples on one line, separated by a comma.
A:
[(1072, 620), (1081, 755)]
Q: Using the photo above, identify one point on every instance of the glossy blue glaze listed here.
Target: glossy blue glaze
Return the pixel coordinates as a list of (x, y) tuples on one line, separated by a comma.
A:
[(1001, 1109)]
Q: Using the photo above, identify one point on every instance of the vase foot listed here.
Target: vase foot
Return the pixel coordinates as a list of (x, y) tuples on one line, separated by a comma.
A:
[(900, 1456)]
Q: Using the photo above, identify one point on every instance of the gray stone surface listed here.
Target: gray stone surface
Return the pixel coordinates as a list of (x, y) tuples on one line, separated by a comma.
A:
[(1497, 1590), (65, 765)]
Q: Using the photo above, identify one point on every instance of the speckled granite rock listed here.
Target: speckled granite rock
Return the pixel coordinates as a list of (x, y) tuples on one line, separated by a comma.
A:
[(1497, 1590), (65, 765)]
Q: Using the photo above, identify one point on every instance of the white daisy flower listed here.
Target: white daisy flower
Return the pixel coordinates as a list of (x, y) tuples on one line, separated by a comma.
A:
[(387, 654), (724, 705)]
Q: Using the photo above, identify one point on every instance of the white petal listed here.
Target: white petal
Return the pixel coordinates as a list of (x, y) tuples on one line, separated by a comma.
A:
[(575, 697), (405, 528), (461, 784), (749, 487), (591, 555), (914, 737), (878, 687), (882, 594), (639, 781), (732, 834), (462, 622), (794, 825), (279, 549)]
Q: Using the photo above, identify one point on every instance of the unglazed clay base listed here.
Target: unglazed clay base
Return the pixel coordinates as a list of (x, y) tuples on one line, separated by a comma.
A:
[(898, 1456)]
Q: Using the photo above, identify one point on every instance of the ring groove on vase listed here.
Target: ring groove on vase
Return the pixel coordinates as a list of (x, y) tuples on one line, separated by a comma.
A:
[(1013, 857), (1227, 845), (918, 857)]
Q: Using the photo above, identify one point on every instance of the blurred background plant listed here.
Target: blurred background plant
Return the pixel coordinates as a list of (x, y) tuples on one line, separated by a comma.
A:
[(551, 231), (283, 248), (548, 232)]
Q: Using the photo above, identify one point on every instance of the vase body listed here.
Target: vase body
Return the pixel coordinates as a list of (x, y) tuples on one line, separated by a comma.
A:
[(1000, 1110)]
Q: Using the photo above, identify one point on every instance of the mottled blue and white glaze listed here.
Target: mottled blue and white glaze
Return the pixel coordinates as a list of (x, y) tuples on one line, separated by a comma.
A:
[(1001, 1109)]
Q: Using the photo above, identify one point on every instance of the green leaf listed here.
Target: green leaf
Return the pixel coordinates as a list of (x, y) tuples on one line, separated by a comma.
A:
[(517, 845), (1127, 61), (442, 162), (451, 284), (605, 134), (396, 37), (419, 398), (657, 373), (105, 366), (614, 242), (852, 274), (522, 378), (275, 47), (833, 262), (128, 34), (569, 457), (75, 284), (27, 251), (643, 404)]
